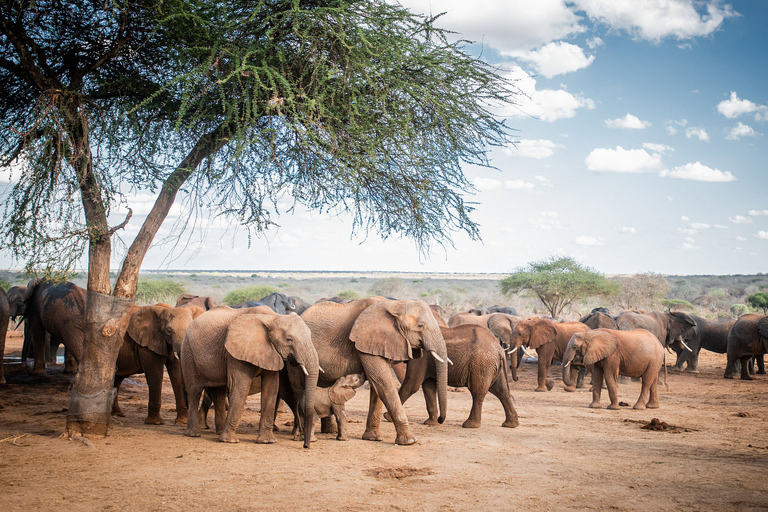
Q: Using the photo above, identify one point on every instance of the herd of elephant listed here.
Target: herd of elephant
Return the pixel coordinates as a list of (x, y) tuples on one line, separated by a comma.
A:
[(313, 356)]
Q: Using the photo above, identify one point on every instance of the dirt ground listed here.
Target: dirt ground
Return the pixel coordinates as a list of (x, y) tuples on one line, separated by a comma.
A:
[(563, 456)]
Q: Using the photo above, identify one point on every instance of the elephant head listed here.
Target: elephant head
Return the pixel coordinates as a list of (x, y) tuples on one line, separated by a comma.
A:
[(402, 330), (586, 348), (599, 318), (188, 300), (679, 325), (16, 295), (503, 326), (270, 340), (279, 303), (161, 328), (344, 388)]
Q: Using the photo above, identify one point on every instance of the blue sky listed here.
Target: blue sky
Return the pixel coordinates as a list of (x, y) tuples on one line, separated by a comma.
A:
[(641, 147)]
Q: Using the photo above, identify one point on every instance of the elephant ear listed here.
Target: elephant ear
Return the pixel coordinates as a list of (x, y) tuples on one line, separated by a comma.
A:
[(762, 328), (376, 332), (542, 331), (144, 328), (196, 311), (600, 346), (248, 339), (340, 394)]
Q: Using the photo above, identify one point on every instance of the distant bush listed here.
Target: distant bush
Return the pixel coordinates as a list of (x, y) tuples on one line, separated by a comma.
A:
[(153, 291), (250, 293), (759, 300), (678, 304), (255, 276), (4, 284), (738, 310), (389, 287), (348, 294)]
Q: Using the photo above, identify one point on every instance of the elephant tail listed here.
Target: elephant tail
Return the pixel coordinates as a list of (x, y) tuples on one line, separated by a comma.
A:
[(664, 362), (503, 370)]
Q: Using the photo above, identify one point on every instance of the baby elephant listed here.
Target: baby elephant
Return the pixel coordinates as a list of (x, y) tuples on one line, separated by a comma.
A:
[(635, 353), (330, 401)]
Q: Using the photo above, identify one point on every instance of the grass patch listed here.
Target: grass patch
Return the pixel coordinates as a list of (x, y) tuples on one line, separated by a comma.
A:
[(153, 291), (250, 293)]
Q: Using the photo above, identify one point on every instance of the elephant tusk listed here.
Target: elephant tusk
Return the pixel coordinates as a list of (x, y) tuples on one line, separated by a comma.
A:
[(434, 354), (18, 324), (305, 370), (526, 352), (513, 350), (320, 368), (567, 364), (449, 361), (686, 346)]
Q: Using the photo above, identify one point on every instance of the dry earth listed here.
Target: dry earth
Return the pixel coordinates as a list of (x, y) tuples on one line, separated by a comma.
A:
[(564, 456)]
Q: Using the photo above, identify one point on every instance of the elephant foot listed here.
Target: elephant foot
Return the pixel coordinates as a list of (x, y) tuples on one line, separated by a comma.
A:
[(652, 405), (116, 411), (405, 439), (342, 438), (595, 405), (569, 389), (180, 420), (540, 390), (269, 438), (328, 427), (550, 385), (614, 407), (470, 423), (153, 420), (513, 423), (37, 371), (760, 372), (638, 407), (746, 377), (727, 376), (192, 432), (693, 371), (431, 422), (226, 437), (70, 371), (372, 435)]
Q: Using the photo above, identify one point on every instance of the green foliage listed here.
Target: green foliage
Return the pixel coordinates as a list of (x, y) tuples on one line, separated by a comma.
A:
[(557, 282), (255, 276), (348, 294), (678, 305), (4, 284), (250, 293), (738, 310), (759, 300), (389, 287), (152, 291)]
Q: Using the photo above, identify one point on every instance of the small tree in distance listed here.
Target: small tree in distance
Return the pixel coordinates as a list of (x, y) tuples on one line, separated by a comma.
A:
[(759, 301), (558, 281), (642, 291)]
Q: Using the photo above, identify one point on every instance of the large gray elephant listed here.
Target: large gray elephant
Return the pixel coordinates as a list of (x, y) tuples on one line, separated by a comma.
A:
[(747, 338), (277, 302), (152, 339), (479, 363), (225, 349), (669, 328), (611, 353), (599, 318), (711, 335), (59, 310), (501, 325), (367, 336), (5, 318)]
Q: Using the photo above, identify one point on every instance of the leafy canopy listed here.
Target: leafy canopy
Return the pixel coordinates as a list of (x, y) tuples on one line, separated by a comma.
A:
[(557, 282), (342, 106), (759, 300)]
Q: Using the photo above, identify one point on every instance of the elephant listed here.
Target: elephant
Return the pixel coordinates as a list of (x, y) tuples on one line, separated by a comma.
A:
[(711, 335), (667, 327), (507, 310), (748, 337), (224, 349), (5, 319), (152, 340), (367, 336), (599, 318), (277, 302), (478, 364), (549, 339), (16, 295), (501, 325), (330, 401), (611, 353), (188, 300), (59, 310), (299, 304)]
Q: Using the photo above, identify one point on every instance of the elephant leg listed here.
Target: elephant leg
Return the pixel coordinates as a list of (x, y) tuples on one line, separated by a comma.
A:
[(580, 377), (237, 394), (194, 393), (70, 362), (219, 400), (476, 412), (500, 390), (611, 382), (429, 388), (597, 386), (729, 367), (173, 366), (374, 416), (647, 382), (270, 382), (341, 420), (653, 391), (328, 426), (760, 360), (399, 369), (204, 408), (153, 370), (543, 383), (38, 347), (745, 367), (116, 410), (377, 371)]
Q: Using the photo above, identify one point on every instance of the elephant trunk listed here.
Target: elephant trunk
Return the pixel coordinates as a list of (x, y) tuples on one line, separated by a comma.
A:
[(514, 361), (567, 360), (306, 357), (435, 344)]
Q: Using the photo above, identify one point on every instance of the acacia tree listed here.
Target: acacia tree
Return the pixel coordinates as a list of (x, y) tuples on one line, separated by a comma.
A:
[(642, 291), (355, 106), (759, 300), (557, 282)]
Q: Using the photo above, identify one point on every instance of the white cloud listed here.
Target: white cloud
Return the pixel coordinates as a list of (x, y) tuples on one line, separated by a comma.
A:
[(555, 58), (685, 218), (589, 241), (657, 148), (698, 132), (735, 107), (741, 239), (756, 213), (518, 185), (543, 180), (628, 122), (657, 19), (506, 26), (698, 225), (538, 148), (689, 240), (687, 231), (546, 104), (671, 130), (622, 160), (594, 42), (697, 172), (762, 235), (688, 245), (486, 184), (740, 219), (741, 130), (627, 229), (720, 226)]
